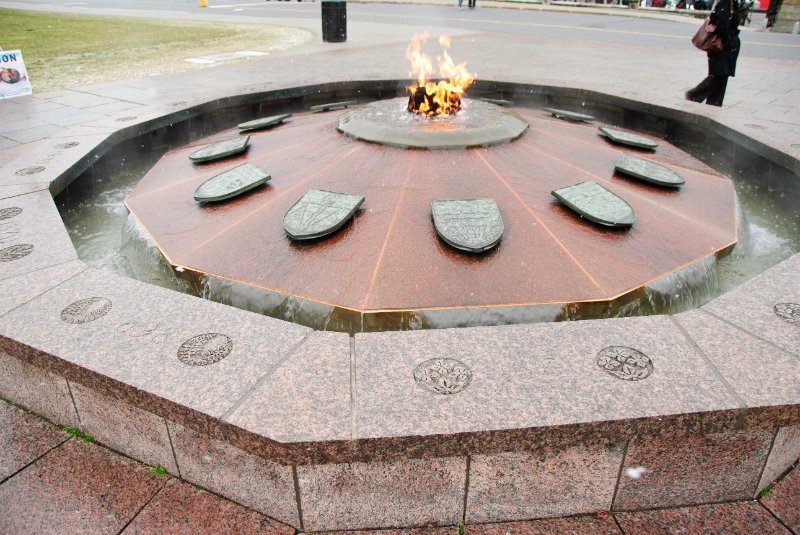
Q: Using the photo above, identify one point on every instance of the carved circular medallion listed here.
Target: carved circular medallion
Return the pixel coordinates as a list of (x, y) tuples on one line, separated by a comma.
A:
[(205, 349), (30, 170), (8, 213), (67, 145), (789, 312), (15, 252), (443, 376), (625, 363), (86, 310)]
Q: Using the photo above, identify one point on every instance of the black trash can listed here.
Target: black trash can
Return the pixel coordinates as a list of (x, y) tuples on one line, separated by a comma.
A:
[(334, 21)]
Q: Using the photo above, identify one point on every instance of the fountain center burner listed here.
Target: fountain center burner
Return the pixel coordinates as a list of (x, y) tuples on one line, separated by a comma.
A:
[(478, 124), (434, 99)]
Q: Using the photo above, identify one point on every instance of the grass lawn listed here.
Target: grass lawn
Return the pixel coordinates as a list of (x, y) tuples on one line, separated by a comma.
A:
[(66, 50)]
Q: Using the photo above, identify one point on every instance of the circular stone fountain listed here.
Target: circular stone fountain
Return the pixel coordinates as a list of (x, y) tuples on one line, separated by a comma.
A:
[(387, 268)]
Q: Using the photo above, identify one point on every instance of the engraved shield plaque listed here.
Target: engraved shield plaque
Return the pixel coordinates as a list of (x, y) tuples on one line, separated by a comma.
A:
[(788, 312), (231, 183), (648, 171), (594, 202), (468, 225), (333, 105), (319, 213), (625, 138), (265, 122), (569, 115), (223, 149)]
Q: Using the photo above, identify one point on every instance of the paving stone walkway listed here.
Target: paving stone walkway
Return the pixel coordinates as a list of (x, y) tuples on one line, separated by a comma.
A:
[(52, 482)]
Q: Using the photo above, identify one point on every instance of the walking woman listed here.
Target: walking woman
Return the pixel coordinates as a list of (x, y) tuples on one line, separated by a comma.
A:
[(722, 64)]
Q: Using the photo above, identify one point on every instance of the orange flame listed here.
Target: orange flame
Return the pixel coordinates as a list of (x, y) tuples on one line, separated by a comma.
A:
[(434, 98)]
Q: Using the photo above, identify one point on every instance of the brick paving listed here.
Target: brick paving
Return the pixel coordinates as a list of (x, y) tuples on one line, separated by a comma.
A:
[(51, 482)]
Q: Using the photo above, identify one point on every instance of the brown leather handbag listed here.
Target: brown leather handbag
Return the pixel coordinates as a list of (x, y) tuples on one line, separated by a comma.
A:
[(707, 39)]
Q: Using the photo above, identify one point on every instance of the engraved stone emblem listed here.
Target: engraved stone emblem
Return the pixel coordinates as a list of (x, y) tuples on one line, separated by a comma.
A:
[(125, 119), (333, 105), (626, 138), (625, 363), (266, 122), (231, 183), (86, 310), (205, 349), (223, 149), (30, 170), (319, 212), (8, 213), (594, 202), (443, 376), (648, 171), (789, 312), (499, 102), (15, 252), (469, 225), (569, 115)]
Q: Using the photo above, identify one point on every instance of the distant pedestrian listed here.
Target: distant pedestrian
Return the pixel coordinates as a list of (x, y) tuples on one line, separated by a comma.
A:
[(472, 4), (459, 3), (722, 65)]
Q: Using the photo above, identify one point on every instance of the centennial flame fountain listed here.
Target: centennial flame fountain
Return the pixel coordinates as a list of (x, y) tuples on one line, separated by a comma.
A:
[(393, 266)]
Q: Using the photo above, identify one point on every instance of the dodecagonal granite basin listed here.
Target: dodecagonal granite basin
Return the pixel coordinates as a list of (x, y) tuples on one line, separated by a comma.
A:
[(323, 430)]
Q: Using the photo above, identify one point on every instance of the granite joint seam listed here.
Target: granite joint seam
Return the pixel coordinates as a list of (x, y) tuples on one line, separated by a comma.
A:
[(750, 333), (172, 448), (74, 405), (766, 461), (466, 490), (267, 374), (739, 400), (297, 498), (619, 473), (353, 400), (778, 519), (144, 506)]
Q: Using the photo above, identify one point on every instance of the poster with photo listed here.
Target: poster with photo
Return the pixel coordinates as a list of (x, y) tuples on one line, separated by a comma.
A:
[(13, 76)]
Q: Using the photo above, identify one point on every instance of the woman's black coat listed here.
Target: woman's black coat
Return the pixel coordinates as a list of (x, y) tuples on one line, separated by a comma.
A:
[(727, 21)]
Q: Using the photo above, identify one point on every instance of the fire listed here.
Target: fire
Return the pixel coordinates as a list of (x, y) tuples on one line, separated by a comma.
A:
[(435, 98)]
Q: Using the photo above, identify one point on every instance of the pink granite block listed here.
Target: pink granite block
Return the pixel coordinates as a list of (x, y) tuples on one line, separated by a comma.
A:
[(673, 471), (742, 518), (36, 389), (76, 488), (411, 493), (784, 501), (23, 439), (751, 306), (576, 525), (22, 288), (32, 235), (183, 509), (520, 486), (784, 453), (538, 378), (125, 428), (254, 482), (306, 399), (123, 338), (451, 530), (763, 375)]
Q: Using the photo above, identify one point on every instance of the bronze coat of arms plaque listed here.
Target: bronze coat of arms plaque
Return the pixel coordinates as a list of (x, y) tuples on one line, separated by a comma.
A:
[(595, 203), (473, 225), (319, 213)]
